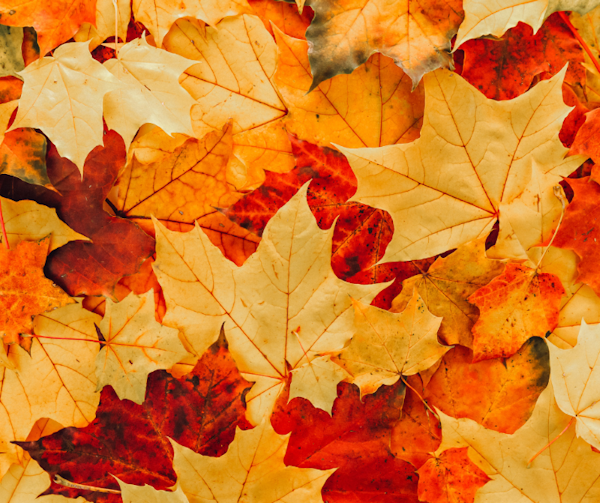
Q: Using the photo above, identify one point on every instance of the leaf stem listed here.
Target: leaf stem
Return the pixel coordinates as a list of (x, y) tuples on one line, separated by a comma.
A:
[(550, 443), (420, 397), (582, 42), (63, 482), (4, 236)]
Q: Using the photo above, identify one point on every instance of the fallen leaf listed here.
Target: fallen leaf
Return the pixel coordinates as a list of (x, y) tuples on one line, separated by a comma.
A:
[(49, 381), (387, 345), (584, 143), (159, 15), (54, 22), (62, 96), (447, 285), (11, 58), (498, 394), (578, 230), (283, 307), (283, 15), (150, 92), (415, 34), (372, 107), (474, 154), (233, 80), (566, 471), (24, 290), (588, 27), (575, 381), (450, 478), (133, 493), (23, 155), (504, 69), (518, 304), (30, 221), (127, 440), (134, 345), (118, 246)]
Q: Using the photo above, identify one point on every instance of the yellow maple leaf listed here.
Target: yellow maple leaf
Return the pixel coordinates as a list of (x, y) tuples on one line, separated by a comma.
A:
[(251, 470), (388, 345), (371, 107), (68, 394), (576, 381), (567, 471), (105, 23), (447, 285), (134, 345), (62, 96), (474, 155), (283, 307), (134, 494), (150, 92)]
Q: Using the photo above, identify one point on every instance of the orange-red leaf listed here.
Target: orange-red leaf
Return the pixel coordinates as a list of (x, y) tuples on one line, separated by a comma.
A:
[(450, 478), (517, 305), (24, 290)]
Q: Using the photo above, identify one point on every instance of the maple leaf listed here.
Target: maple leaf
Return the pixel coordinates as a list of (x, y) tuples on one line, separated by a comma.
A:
[(504, 69), (481, 18), (587, 26), (566, 471), (159, 15), (252, 469), (117, 245), (62, 96), (415, 34), (54, 22), (11, 58), (49, 381), (372, 107), (133, 493), (150, 91), (498, 394), (283, 306), (516, 305), (575, 382), (24, 290), (129, 441), (446, 286), (134, 345), (283, 15), (388, 345), (474, 154), (23, 155), (450, 478)]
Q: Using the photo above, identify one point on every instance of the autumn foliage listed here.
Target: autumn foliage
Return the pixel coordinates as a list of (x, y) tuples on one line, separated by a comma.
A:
[(270, 251)]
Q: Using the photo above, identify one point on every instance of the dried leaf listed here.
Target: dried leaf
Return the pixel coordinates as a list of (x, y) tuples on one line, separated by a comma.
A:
[(11, 58)]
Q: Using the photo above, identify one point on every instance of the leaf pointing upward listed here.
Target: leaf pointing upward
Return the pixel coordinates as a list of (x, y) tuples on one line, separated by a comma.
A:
[(474, 155)]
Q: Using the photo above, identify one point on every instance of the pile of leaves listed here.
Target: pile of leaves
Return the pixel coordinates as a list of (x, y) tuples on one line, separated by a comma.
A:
[(258, 251)]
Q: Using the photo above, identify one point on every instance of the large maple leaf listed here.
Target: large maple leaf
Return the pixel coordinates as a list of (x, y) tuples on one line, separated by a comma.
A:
[(199, 411), (284, 307), (474, 155)]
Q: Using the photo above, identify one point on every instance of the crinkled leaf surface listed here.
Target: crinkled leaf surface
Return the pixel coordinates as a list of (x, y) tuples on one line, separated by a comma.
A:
[(474, 154), (415, 34), (283, 307), (62, 96), (135, 344), (251, 470), (200, 411), (516, 305), (387, 345)]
